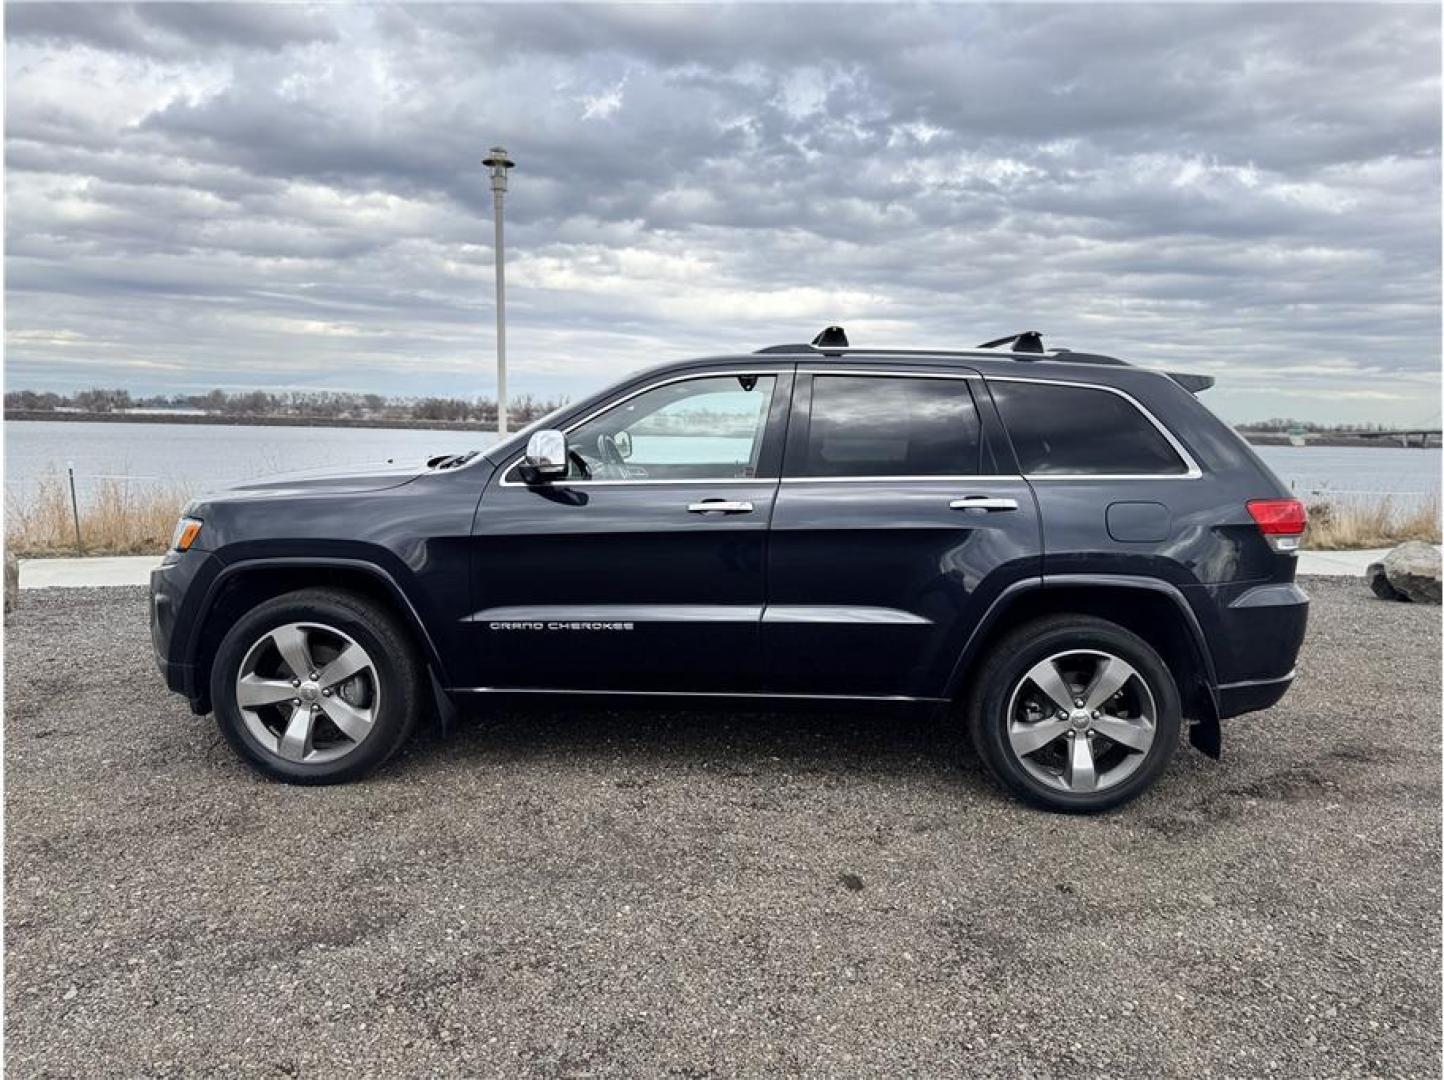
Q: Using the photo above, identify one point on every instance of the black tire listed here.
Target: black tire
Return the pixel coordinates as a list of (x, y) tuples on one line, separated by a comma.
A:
[(396, 671), (1004, 668)]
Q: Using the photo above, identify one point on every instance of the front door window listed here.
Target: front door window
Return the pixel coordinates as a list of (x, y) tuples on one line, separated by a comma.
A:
[(697, 429)]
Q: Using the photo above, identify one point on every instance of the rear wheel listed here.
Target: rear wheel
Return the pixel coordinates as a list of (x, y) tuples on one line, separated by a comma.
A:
[(1075, 713), (317, 686)]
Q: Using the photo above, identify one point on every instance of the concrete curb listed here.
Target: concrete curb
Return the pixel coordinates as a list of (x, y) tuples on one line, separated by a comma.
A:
[(135, 569), (87, 573)]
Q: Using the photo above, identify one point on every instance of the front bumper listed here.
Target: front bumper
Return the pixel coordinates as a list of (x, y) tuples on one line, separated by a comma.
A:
[(176, 587)]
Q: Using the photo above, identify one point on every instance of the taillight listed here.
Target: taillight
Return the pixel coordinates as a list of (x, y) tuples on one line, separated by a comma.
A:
[(1282, 521)]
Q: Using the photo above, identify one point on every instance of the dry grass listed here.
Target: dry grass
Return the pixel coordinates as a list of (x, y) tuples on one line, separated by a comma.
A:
[(115, 519), (1371, 523)]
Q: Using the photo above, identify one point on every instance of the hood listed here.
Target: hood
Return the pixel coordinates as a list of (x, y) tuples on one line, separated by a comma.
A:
[(333, 481)]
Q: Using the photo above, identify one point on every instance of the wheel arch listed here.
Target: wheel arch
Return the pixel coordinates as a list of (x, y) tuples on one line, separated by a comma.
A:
[(242, 585), (1154, 610)]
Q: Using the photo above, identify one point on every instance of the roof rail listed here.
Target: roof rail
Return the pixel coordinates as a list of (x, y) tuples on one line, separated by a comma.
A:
[(800, 347), (1027, 346)]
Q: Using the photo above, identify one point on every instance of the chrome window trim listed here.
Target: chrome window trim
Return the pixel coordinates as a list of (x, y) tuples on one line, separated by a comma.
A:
[(1190, 475), (641, 481), (905, 373), (967, 478), (1193, 472), (689, 377)]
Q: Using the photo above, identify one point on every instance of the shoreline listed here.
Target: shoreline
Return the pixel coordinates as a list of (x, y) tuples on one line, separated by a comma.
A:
[(22, 415), (1269, 438)]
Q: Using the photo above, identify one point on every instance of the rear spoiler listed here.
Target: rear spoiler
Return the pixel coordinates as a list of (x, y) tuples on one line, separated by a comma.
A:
[(1194, 384)]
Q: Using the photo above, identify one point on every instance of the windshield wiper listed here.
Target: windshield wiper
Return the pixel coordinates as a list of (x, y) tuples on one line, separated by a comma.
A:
[(451, 461)]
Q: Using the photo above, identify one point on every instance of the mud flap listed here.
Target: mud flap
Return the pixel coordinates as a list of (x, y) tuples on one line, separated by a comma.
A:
[(445, 707), (1207, 736)]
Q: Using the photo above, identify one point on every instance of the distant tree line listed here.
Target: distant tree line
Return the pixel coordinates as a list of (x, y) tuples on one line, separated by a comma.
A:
[(311, 404), (1284, 424)]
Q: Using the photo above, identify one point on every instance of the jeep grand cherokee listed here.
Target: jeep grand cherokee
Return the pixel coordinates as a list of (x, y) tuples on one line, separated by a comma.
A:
[(1072, 551)]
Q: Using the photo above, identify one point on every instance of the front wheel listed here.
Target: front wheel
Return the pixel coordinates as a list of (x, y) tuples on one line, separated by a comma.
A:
[(317, 686), (1075, 714)]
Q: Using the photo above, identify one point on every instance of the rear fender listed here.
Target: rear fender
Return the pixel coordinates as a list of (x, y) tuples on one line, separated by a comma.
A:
[(1087, 593)]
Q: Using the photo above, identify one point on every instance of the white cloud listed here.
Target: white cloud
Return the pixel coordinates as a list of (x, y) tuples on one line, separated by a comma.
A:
[(201, 194), (604, 105)]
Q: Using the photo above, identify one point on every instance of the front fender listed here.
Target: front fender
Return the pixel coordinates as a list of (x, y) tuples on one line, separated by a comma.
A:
[(375, 572)]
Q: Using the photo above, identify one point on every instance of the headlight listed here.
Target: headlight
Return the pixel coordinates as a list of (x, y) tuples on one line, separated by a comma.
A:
[(186, 531)]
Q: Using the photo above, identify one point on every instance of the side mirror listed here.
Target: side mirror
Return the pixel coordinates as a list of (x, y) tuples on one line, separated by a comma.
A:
[(546, 457), (623, 442)]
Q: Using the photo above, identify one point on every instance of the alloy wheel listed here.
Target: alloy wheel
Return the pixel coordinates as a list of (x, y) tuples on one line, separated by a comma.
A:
[(1081, 721), (308, 693)]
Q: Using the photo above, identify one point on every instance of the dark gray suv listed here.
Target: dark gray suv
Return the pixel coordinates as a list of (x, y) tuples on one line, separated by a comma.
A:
[(1071, 550)]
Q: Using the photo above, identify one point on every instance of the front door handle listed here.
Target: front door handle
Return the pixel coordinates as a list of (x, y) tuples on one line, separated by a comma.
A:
[(982, 502), (719, 506)]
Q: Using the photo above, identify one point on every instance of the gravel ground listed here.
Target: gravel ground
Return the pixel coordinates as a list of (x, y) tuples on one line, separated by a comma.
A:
[(570, 892)]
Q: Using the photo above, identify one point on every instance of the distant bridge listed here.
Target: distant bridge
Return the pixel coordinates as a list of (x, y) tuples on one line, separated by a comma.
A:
[(1405, 437)]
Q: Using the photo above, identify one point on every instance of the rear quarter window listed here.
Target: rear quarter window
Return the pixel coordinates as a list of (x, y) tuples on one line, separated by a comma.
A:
[(1081, 431)]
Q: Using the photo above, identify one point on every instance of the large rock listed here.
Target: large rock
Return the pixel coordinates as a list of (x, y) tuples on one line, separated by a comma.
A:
[(1413, 571), (12, 581)]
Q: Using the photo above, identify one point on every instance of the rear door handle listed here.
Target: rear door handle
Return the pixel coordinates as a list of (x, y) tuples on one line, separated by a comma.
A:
[(982, 502), (719, 506)]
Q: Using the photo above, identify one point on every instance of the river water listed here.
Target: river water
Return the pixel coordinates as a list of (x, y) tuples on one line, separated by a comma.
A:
[(200, 457)]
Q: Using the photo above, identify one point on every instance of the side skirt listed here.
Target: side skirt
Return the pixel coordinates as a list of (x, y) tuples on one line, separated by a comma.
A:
[(504, 690)]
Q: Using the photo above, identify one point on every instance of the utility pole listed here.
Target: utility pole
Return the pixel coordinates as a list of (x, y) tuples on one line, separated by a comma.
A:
[(499, 163)]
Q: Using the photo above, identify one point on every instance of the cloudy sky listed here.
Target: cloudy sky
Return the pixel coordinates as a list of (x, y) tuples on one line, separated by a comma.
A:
[(285, 197)]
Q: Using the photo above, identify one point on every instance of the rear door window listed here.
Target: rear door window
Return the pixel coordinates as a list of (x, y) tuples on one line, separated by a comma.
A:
[(882, 425), (1081, 431)]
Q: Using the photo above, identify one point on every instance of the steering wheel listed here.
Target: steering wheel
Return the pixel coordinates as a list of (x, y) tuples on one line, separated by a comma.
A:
[(607, 449), (610, 464)]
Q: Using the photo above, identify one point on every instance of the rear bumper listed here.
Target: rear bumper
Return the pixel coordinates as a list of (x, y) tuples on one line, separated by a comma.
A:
[(1235, 699), (1264, 630)]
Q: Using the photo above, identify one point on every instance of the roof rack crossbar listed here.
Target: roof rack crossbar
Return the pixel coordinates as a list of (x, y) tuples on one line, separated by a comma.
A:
[(1028, 341), (832, 340)]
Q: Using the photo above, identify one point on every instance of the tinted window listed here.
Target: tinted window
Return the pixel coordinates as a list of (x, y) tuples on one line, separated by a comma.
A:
[(880, 426), (1075, 430), (696, 429)]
